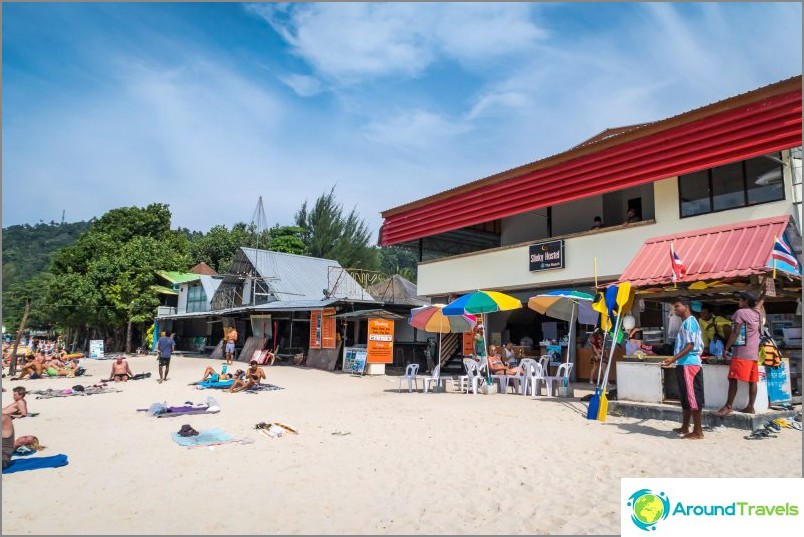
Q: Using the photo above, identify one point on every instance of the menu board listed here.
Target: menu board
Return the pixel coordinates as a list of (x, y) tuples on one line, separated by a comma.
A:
[(96, 348), (328, 329), (354, 360), (380, 341)]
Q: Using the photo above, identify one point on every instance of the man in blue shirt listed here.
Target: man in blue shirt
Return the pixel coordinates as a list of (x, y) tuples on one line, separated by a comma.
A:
[(687, 360), (164, 347)]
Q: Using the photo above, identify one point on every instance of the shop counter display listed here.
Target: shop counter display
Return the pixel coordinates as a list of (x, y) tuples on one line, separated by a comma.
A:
[(644, 380)]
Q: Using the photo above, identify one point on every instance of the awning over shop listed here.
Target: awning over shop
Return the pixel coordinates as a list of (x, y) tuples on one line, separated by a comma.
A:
[(370, 314), (715, 253)]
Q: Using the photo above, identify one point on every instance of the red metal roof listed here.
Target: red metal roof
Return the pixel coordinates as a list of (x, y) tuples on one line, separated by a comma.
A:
[(759, 122), (709, 254)]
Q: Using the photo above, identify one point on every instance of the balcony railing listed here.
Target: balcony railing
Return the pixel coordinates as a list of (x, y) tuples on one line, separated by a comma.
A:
[(165, 310)]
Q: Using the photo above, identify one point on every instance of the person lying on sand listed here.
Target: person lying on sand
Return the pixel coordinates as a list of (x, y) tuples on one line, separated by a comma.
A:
[(120, 370), (19, 408), (254, 375)]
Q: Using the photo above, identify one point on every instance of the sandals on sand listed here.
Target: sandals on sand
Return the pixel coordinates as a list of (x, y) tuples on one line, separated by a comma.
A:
[(760, 434)]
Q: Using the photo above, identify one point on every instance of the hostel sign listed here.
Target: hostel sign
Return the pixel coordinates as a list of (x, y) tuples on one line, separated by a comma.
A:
[(546, 255)]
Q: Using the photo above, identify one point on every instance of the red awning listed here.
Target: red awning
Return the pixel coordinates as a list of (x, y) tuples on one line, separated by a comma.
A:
[(713, 253), (739, 128)]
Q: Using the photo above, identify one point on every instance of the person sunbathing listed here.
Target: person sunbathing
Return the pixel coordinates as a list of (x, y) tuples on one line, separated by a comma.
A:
[(254, 375), (211, 376), (8, 440), (32, 369), (19, 408), (496, 365), (120, 370)]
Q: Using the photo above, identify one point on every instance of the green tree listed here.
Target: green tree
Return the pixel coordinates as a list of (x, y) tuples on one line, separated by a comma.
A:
[(287, 239), (331, 235), (398, 260), (219, 245)]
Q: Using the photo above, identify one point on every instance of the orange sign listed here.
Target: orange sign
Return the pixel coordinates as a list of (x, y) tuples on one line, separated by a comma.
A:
[(315, 329), (328, 329), (380, 341), (468, 343)]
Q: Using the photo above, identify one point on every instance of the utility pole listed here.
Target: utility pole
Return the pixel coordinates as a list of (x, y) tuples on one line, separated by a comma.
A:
[(12, 370), (62, 215)]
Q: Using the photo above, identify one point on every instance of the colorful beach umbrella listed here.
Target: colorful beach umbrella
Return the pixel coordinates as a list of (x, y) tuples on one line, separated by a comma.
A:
[(432, 319), (483, 302), (565, 305)]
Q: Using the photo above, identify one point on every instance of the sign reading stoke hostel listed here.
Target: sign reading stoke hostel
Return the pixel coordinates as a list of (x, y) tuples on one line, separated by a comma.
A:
[(546, 255)]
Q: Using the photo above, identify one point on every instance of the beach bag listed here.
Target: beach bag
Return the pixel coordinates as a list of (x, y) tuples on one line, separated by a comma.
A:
[(769, 355)]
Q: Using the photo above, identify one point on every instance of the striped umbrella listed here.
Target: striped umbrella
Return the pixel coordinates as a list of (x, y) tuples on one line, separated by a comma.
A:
[(432, 319), (483, 302)]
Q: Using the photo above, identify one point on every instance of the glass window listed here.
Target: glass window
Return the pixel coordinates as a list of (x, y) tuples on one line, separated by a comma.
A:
[(728, 190), (694, 193), (196, 299), (748, 182), (764, 179)]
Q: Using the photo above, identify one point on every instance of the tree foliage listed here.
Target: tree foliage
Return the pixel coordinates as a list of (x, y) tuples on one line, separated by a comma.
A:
[(327, 233), (397, 260)]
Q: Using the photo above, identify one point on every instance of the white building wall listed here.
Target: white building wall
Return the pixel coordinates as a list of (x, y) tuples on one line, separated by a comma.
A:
[(507, 267), (182, 306)]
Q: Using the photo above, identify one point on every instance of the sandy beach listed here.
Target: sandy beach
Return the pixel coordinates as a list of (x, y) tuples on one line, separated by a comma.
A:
[(412, 463)]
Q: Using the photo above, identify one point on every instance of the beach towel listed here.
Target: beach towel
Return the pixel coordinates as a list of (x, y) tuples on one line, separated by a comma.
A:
[(138, 376), (91, 390), (36, 463), (263, 388), (161, 411), (207, 437)]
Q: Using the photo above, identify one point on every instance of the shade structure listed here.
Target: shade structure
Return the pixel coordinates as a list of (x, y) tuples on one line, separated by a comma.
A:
[(482, 302), (560, 305), (567, 306), (432, 319)]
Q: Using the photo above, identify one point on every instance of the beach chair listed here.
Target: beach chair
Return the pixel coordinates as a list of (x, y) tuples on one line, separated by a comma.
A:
[(473, 376), (535, 379), (525, 364), (562, 373), (410, 374), (435, 377)]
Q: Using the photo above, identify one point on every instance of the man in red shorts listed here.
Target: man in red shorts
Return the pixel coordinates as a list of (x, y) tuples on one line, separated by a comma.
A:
[(744, 342)]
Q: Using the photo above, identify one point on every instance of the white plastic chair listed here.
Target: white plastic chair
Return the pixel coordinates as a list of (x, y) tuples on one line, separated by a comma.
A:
[(562, 373), (473, 376), (410, 374), (525, 364), (536, 378), (436, 378)]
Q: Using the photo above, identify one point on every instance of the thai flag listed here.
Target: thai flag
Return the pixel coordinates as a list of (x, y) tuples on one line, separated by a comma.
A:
[(679, 269), (782, 252)]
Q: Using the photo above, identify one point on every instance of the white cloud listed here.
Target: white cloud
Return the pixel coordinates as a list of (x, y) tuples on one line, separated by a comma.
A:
[(349, 42), (415, 129), (490, 103), (303, 85)]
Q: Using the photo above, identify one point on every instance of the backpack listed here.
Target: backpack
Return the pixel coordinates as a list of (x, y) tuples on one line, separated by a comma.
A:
[(769, 354)]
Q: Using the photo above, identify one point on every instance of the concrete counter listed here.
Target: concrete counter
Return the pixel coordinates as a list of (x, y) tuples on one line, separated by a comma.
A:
[(648, 382)]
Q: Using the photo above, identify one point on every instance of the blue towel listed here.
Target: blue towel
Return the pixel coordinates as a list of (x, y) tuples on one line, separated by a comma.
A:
[(220, 384), (208, 436), (35, 463)]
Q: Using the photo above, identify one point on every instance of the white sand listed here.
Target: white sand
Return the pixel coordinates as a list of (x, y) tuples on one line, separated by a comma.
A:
[(413, 463)]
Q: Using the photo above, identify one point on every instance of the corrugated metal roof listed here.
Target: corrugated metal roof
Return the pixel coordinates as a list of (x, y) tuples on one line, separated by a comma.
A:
[(733, 250), (397, 290), (290, 305), (742, 127), (177, 277), (298, 277), (210, 285), (162, 290)]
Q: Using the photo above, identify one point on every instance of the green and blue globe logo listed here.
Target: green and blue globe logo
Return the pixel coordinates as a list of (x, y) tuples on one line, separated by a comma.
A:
[(648, 508)]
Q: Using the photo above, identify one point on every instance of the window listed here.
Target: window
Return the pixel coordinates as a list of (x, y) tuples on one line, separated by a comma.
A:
[(749, 182), (196, 299)]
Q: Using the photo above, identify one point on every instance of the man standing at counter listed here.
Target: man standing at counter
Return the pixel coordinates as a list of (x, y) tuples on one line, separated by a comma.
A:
[(744, 339), (687, 358)]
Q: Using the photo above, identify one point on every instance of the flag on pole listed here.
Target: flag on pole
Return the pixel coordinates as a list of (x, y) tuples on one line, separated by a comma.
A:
[(677, 265), (783, 252)]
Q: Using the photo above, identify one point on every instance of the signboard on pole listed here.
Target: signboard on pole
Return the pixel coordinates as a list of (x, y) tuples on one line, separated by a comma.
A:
[(380, 341), (96, 348)]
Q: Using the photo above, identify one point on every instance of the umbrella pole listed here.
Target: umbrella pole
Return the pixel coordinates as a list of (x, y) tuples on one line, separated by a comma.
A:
[(571, 328)]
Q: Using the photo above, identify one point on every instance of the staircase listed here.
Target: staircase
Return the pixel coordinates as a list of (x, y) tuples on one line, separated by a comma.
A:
[(451, 357)]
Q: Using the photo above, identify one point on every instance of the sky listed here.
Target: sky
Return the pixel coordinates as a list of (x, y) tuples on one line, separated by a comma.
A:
[(208, 106)]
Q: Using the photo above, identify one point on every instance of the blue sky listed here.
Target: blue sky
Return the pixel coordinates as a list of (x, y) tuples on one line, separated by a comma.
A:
[(208, 106)]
